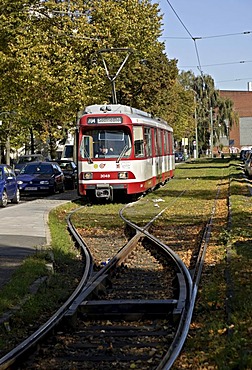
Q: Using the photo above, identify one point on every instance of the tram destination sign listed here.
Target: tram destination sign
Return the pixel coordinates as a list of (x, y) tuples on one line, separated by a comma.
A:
[(106, 119)]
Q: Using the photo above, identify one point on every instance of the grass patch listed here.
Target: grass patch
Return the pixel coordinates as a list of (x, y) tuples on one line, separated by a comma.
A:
[(13, 293), (61, 243), (103, 215), (221, 338)]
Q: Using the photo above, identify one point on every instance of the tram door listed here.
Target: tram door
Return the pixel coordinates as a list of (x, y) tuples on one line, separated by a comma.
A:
[(157, 167)]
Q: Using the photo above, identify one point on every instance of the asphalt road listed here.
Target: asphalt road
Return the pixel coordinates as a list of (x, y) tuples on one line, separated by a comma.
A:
[(24, 229)]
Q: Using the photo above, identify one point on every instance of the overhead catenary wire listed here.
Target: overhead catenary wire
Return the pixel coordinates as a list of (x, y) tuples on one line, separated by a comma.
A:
[(191, 36), (198, 38), (236, 79), (208, 37), (220, 64)]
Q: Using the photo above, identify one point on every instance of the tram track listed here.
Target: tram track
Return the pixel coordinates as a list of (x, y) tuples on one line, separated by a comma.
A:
[(102, 296)]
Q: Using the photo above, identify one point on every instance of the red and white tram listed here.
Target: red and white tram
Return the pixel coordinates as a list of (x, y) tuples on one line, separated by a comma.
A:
[(122, 150)]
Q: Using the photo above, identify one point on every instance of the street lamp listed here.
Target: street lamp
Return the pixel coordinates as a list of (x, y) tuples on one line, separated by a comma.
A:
[(211, 131), (195, 142), (196, 152)]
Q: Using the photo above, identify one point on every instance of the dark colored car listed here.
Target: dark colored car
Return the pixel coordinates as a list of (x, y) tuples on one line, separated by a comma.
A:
[(69, 169), (248, 164), (27, 158), (9, 189), (41, 177), (179, 157), (244, 154)]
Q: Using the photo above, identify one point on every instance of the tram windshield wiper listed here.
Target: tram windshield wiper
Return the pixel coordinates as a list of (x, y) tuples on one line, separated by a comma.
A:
[(122, 153), (88, 157)]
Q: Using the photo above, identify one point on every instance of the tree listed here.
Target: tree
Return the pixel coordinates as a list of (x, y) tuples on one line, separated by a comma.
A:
[(51, 66), (43, 75), (50, 60), (209, 100)]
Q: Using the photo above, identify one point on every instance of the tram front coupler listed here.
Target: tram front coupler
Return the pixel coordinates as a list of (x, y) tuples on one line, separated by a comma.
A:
[(104, 191)]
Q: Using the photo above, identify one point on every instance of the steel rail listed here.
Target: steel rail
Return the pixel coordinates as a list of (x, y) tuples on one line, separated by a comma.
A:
[(144, 231), (192, 281), (174, 350), (86, 283), (14, 355), (85, 287), (102, 274), (122, 254), (180, 338)]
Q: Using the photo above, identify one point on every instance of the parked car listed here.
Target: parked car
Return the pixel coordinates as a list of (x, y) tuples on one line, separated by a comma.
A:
[(248, 164), (69, 169), (24, 159), (179, 157), (9, 189), (41, 177), (243, 154)]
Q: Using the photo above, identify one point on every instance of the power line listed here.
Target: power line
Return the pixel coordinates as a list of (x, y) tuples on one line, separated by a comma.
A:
[(174, 11), (219, 64), (207, 37), (191, 36), (237, 79)]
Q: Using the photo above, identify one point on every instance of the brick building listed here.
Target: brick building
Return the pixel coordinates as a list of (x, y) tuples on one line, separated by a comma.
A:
[(241, 136)]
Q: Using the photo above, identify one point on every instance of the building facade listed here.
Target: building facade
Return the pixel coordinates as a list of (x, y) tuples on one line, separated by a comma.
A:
[(240, 136)]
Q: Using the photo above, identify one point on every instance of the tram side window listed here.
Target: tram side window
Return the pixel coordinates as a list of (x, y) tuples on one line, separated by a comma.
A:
[(159, 142), (171, 143), (138, 141), (167, 144), (155, 142), (148, 142)]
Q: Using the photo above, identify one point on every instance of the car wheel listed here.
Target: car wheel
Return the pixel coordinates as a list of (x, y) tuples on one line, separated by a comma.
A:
[(4, 199), (16, 199), (72, 185), (62, 189), (53, 190)]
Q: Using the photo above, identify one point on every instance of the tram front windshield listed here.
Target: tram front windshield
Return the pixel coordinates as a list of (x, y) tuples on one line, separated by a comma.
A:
[(105, 144)]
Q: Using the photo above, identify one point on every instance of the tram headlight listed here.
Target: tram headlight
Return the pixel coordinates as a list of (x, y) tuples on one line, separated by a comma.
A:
[(123, 175), (87, 175)]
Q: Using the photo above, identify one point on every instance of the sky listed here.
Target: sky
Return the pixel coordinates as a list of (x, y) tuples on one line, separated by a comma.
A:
[(224, 50)]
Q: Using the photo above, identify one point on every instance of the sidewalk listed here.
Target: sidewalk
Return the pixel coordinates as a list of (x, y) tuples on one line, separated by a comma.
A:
[(23, 228)]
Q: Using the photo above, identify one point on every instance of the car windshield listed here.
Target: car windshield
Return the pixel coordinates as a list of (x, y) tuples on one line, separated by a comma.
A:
[(27, 159), (1, 174), (65, 166), (35, 168)]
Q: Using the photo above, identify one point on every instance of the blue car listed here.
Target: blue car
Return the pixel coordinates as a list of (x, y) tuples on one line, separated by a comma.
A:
[(41, 177), (179, 157), (28, 158), (9, 189)]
